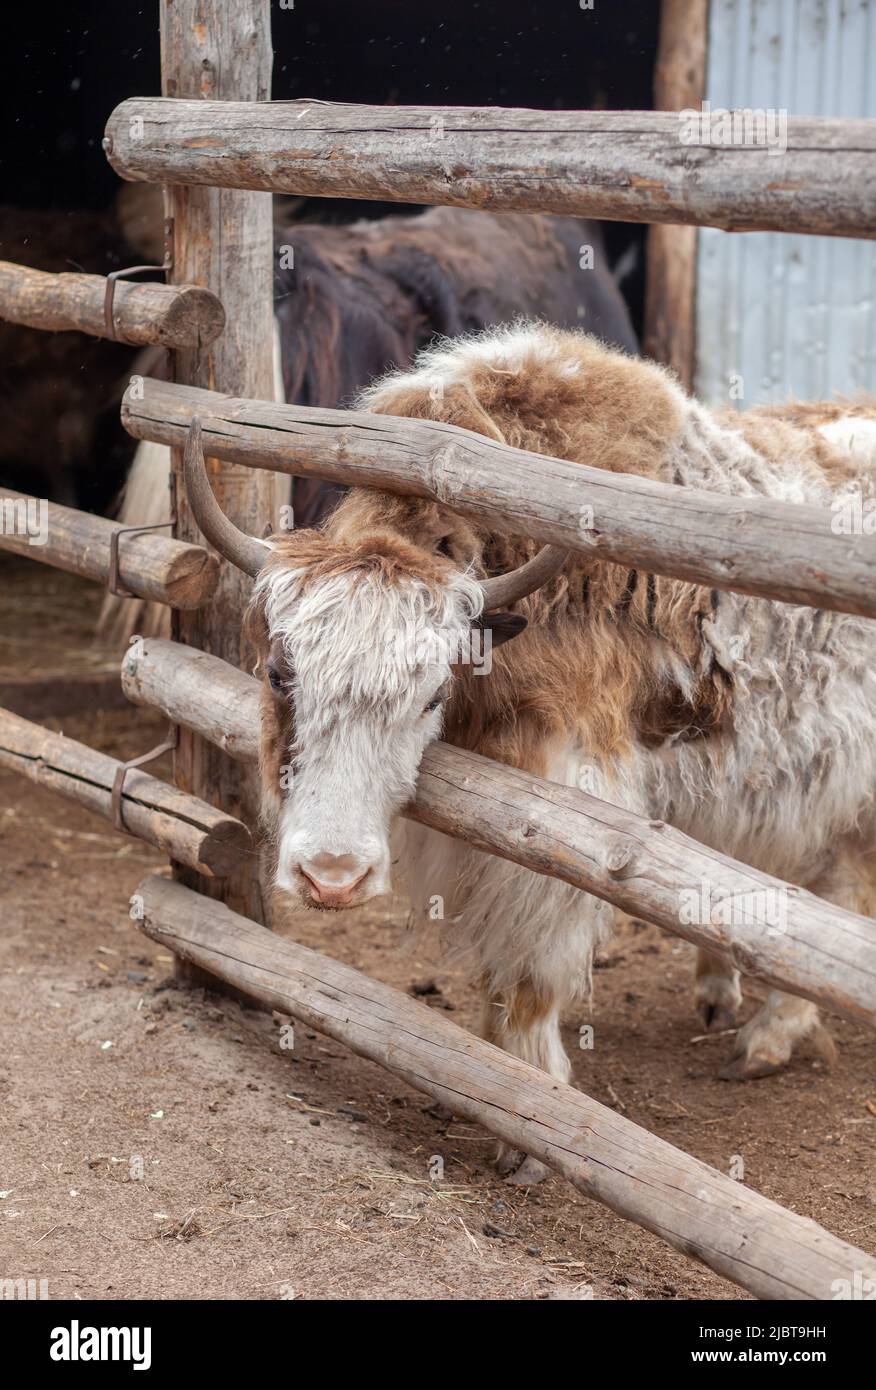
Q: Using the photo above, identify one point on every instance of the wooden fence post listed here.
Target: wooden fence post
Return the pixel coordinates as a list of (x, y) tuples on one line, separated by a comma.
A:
[(670, 290), (223, 240), (174, 316)]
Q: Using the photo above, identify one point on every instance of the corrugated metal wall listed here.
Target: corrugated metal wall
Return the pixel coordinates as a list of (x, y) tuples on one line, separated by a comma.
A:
[(791, 315)]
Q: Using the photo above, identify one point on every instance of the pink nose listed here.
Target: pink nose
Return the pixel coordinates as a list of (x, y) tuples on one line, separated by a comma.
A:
[(333, 878)]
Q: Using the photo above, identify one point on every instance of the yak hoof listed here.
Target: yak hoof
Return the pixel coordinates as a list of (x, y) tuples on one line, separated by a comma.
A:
[(438, 1111), (508, 1159), (530, 1172), (750, 1068), (717, 1018)]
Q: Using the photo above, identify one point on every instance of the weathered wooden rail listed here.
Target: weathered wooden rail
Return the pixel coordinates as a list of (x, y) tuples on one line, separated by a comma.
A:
[(150, 566), (629, 165), (207, 840), (173, 316), (772, 1252), (757, 546), (813, 948)]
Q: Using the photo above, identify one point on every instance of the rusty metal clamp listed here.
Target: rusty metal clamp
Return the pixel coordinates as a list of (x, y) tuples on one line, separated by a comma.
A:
[(114, 275), (114, 583), (119, 779)]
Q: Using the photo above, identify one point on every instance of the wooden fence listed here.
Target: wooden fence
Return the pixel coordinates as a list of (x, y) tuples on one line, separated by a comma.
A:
[(186, 828), (213, 138), (773, 1252), (148, 566)]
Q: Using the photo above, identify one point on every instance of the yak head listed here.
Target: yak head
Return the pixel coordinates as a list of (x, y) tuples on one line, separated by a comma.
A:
[(358, 637)]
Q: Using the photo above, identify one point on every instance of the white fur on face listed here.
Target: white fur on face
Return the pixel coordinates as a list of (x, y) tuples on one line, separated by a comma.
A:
[(366, 657)]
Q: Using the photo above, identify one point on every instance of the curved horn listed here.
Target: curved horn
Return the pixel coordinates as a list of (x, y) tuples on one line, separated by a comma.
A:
[(505, 589), (244, 551)]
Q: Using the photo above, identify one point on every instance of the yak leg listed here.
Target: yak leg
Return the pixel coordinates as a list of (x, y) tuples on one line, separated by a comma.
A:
[(768, 1040), (717, 992), (525, 1021), (535, 940)]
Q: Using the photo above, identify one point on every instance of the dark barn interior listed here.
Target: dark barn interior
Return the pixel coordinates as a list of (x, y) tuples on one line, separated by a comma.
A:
[(59, 207)]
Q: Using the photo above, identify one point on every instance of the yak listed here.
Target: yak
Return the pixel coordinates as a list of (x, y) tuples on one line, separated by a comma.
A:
[(748, 723)]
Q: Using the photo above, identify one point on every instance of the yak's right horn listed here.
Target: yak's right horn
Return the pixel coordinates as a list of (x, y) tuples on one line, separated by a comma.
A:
[(247, 553), (505, 589)]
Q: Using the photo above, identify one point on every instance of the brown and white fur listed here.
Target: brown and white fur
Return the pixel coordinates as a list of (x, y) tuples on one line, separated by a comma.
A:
[(747, 723)]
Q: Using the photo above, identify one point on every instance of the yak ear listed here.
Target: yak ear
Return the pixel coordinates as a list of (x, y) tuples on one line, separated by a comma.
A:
[(502, 626)]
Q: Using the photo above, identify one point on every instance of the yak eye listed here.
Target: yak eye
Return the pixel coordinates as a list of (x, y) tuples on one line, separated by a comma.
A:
[(438, 698), (275, 678)]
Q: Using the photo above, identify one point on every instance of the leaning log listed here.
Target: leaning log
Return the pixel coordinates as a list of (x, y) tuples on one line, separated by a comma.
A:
[(755, 545), (207, 840), (172, 316), (772, 1252), (771, 930), (635, 166), (151, 565)]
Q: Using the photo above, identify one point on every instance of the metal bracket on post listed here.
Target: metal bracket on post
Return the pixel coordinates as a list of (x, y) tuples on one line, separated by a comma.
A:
[(114, 275), (119, 780), (114, 583)]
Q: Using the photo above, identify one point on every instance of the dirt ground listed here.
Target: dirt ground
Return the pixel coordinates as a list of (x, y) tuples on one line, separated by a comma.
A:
[(161, 1143)]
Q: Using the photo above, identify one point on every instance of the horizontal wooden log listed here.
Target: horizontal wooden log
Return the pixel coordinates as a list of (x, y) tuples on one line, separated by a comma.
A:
[(151, 564), (198, 691), (184, 827), (207, 695), (772, 1252), (649, 869), (752, 544), (174, 316), (635, 166)]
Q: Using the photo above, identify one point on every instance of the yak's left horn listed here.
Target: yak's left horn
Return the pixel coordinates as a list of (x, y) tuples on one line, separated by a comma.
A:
[(244, 551), (506, 589)]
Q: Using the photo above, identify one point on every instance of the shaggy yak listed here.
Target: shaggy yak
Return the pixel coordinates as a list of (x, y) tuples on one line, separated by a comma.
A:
[(747, 723)]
